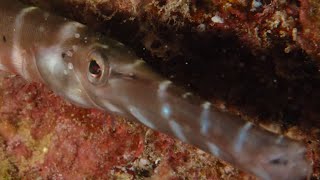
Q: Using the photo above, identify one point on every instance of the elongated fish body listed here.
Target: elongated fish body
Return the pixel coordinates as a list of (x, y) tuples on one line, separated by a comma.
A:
[(98, 72)]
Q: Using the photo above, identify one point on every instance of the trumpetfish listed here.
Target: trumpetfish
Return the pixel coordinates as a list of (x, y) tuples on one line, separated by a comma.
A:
[(95, 71)]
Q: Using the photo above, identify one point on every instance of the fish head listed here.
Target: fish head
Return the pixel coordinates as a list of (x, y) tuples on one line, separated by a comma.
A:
[(94, 75)]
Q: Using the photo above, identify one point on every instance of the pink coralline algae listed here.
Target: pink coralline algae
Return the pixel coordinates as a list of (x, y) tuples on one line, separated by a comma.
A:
[(44, 136)]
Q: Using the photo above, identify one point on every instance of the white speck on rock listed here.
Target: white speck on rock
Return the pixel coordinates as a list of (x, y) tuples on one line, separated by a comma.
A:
[(201, 27), (45, 150), (157, 161), (255, 5), (294, 34), (126, 156), (143, 163), (222, 107), (228, 169), (217, 19)]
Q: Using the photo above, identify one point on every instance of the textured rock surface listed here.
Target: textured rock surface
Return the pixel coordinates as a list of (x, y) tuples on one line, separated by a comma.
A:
[(258, 59), (260, 25)]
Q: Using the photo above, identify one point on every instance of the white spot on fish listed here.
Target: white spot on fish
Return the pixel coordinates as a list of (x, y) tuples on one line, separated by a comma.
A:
[(68, 30), (136, 113), (204, 121), (69, 53), (166, 111), (242, 136), (163, 87), (74, 48), (177, 130), (77, 35), (213, 149), (70, 66)]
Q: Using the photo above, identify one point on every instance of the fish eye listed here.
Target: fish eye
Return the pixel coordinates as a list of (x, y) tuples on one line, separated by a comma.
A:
[(94, 69), (97, 69)]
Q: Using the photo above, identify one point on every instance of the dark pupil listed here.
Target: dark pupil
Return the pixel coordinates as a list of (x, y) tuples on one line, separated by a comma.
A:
[(94, 68)]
